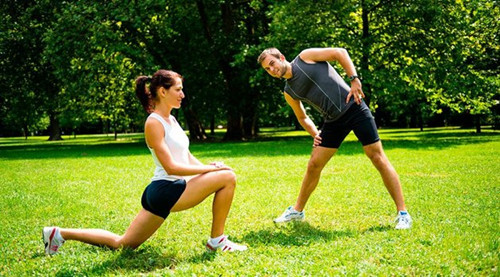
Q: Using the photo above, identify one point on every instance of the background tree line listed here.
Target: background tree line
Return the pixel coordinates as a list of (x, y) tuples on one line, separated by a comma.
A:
[(70, 65)]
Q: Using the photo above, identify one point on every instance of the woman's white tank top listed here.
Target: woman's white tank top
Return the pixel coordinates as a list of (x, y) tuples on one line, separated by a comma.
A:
[(178, 144)]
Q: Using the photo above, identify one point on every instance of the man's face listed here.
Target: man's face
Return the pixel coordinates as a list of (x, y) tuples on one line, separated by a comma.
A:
[(274, 66)]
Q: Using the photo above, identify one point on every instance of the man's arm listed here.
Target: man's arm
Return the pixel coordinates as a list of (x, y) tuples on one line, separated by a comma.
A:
[(340, 55), (300, 113)]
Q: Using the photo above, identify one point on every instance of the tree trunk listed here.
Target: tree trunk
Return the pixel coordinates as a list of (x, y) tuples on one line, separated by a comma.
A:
[(234, 127), (196, 130), (250, 117), (54, 128), (234, 117), (212, 125), (421, 121), (478, 123), (25, 131), (297, 125), (250, 126), (365, 52)]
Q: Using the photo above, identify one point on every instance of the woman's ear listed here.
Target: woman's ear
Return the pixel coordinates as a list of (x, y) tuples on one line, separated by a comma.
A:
[(162, 91)]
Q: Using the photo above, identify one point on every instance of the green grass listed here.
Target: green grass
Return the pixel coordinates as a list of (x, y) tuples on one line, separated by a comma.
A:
[(450, 179)]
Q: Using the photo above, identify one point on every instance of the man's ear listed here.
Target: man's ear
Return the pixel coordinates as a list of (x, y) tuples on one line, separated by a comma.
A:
[(282, 57)]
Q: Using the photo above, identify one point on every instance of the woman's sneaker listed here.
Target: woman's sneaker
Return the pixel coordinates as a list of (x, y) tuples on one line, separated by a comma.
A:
[(225, 245), (52, 240), (290, 214)]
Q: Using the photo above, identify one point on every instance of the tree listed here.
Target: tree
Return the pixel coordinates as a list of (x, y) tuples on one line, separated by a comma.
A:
[(26, 76)]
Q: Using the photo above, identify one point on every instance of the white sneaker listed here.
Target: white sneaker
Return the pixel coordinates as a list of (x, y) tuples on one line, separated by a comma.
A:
[(225, 245), (52, 240), (290, 214), (403, 220)]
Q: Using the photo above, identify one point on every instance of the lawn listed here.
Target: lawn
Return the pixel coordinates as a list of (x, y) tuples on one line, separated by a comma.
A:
[(450, 179)]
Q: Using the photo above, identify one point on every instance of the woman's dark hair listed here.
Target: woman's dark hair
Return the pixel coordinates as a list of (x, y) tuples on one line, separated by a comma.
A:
[(161, 78)]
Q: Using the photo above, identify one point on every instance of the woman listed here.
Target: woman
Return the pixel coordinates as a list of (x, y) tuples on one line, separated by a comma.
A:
[(180, 181)]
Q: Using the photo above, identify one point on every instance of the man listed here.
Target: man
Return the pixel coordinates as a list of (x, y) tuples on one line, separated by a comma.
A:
[(311, 79)]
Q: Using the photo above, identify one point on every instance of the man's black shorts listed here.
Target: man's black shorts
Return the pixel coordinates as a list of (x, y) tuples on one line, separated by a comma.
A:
[(160, 196), (359, 119)]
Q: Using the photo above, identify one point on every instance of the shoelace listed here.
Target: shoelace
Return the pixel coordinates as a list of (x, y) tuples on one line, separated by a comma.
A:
[(402, 218)]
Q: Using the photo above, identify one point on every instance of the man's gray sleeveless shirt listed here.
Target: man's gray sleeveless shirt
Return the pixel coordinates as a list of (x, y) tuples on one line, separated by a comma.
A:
[(320, 86)]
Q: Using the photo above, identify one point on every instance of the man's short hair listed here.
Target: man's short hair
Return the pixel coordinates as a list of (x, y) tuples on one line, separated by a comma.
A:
[(269, 51)]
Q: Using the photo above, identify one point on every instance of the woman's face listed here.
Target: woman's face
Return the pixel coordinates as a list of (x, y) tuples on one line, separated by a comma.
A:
[(174, 94)]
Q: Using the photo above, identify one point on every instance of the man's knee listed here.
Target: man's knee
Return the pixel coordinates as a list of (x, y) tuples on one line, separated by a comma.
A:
[(376, 157), (315, 165), (375, 152)]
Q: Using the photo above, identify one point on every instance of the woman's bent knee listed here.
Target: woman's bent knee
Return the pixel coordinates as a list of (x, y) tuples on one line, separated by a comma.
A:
[(124, 242), (229, 177), (121, 243)]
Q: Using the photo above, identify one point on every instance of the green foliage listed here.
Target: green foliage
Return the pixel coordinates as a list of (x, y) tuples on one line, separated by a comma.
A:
[(415, 58), (74, 62), (449, 178), (26, 79)]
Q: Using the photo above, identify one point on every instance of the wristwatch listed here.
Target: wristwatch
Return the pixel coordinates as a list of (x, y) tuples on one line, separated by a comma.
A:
[(353, 77)]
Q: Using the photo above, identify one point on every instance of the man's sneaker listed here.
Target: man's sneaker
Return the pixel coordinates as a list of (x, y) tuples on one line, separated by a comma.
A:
[(225, 245), (52, 240), (403, 220), (290, 214)]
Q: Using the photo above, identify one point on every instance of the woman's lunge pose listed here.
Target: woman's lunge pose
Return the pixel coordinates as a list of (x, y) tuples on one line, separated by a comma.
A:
[(180, 180)]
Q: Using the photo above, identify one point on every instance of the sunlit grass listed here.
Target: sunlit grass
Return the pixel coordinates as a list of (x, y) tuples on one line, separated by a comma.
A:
[(449, 175)]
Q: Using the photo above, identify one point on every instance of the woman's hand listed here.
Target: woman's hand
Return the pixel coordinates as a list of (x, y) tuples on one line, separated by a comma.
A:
[(220, 166)]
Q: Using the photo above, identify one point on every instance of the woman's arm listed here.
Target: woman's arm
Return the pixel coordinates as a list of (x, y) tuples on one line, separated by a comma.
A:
[(155, 134), (193, 160)]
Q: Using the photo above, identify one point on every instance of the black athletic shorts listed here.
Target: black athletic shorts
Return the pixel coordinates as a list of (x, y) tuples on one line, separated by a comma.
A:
[(359, 119), (160, 196)]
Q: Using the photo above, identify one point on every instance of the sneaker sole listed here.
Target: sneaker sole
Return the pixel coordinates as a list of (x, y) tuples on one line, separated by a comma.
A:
[(210, 248), (294, 219), (403, 228), (213, 250)]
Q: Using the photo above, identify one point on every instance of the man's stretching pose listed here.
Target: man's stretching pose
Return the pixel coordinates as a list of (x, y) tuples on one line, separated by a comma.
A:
[(311, 79)]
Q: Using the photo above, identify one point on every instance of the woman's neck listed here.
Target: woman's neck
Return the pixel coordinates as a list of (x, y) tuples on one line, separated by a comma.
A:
[(163, 112)]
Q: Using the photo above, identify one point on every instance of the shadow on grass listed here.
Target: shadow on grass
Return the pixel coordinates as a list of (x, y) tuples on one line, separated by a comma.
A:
[(202, 257), (54, 151), (148, 259), (265, 147), (296, 234), (382, 228), (142, 261)]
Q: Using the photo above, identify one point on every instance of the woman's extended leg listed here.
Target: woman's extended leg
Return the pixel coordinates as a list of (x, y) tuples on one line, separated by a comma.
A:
[(142, 227)]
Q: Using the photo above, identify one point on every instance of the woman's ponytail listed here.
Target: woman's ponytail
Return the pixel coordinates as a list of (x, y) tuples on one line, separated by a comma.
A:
[(142, 92)]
